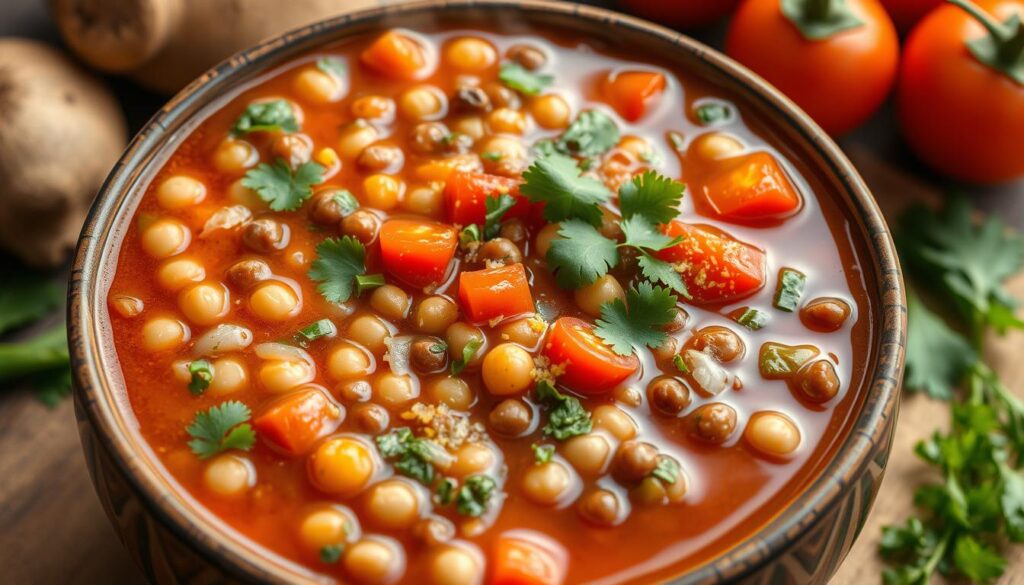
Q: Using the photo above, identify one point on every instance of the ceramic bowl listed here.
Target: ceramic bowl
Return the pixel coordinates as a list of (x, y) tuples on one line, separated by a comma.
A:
[(175, 541)]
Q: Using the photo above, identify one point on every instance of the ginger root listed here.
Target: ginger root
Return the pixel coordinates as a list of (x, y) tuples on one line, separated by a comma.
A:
[(60, 133)]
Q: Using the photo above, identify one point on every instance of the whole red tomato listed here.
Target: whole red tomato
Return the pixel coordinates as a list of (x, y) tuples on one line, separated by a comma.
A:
[(839, 78), (963, 117), (681, 13), (906, 13)]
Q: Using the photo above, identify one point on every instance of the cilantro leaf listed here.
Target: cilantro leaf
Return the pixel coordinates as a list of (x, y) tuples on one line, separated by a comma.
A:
[(649, 309), (202, 375), (651, 196), (496, 206), (338, 262), (347, 202), (314, 331), (580, 255), (468, 351), (474, 495), (414, 456), (977, 561), (641, 233), (566, 416), (333, 66), (269, 116), (937, 358), (523, 80), (657, 270), (556, 181), (26, 297), (542, 453), (279, 187), (713, 113), (592, 133), (221, 428), (445, 491), (667, 470), (331, 553)]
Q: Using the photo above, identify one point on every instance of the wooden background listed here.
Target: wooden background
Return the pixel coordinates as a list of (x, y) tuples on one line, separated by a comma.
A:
[(54, 531)]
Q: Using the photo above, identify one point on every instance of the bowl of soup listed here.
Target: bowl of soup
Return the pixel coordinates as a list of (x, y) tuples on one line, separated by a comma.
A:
[(485, 292)]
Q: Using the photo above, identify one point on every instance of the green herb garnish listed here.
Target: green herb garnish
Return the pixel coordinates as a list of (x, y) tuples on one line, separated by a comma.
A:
[(667, 470), (468, 351), (413, 456), (339, 264), (221, 428), (752, 318), (521, 79), (331, 553), (556, 181), (580, 255), (789, 290), (282, 189), (542, 453), (566, 416), (777, 361), (445, 491), (496, 206), (651, 196), (347, 202), (592, 133), (714, 113), (332, 66), (638, 322), (474, 495), (202, 375), (271, 116), (314, 331), (492, 156), (680, 364), (469, 234)]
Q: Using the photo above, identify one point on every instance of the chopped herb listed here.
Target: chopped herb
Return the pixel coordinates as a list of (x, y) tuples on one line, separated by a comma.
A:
[(667, 470), (777, 361), (202, 375), (555, 180), (639, 232), (580, 255), (657, 270), (752, 318), (789, 290), (473, 497), (279, 187), (542, 453), (414, 456), (714, 113), (347, 202), (677, 141), (592, 133), (497, 206), (492, 156), (271, 116), (652, 196), (523, 80), (625, 329), (331, 553), (566, 416), (680, 365), (338, 262), (446, 491), (468, 351), (221, 428), (468, 235), (365, 282), (333, 66), (314, 331)]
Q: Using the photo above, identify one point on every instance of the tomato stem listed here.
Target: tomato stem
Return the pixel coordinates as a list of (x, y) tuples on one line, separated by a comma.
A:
[(1003, 49), (819, 10), (820, 19)]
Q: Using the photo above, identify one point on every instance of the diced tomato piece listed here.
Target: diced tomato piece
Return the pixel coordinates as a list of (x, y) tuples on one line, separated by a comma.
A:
[(417, 252), (396, 55), (752, 187), (495, 293), (630, 92), (465, 195), (525, 558), (716, 267), (291, 425), (591, 367)]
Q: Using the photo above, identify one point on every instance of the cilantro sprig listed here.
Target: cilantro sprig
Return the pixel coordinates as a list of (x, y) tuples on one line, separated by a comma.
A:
[(521, 79), (566, 416), (269, 116), (413, 457), (340, 269), (556, 181), (281, 188), (638, 322), (221, 428)]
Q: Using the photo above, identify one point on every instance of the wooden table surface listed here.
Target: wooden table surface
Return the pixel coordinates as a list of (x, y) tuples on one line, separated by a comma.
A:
[(54, 530)]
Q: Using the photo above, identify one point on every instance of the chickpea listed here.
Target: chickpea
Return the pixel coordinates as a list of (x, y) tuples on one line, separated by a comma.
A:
[(679, 319), (318, 87), (507, 121), (432, 138), (458, 336), (434, 315), (473, 459), (613, 419), (454, 392), (246, 274), (551, 111), (279, 376), (361, 225), (505, 155), (381, 158), (514, 231), (667, 350), (510, 418), (275, 302), (592, 297), (545, 236), (356, 136), (434, 530), (295, 149), (374, 107), (177, 273), (347, 361), (713, 422), (390, 301), (371, 418), (817, 381), (716, 146), (628, 395), (324, 208), (341, 466), (265, 235), (507, 369), (370, 332), (205, 303), (425, 201), (668, 395), (546, 484), (722, 343), (424, 102), (588, 453), (501, 96), (529, 56), (455, 565), (634, 461), (527, 332), (355, 391), (772, 433), (163, 334), (230, 375), (600, 507), (235, 156), (165, 237), (500, 251), (126, 306), (392, 390), (180, 191), (383, 191), (472, 126), (393, 504), (825, 314), (472, 100), (470, 54), (229, 475), (428, 355), (650, 491), (374, 561), (326, 527)]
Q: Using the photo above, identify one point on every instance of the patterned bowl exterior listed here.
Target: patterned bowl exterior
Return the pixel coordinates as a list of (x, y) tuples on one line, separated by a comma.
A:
[(174, 540)]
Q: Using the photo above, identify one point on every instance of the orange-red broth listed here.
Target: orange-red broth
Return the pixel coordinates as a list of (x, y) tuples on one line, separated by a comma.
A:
[(731, 490)]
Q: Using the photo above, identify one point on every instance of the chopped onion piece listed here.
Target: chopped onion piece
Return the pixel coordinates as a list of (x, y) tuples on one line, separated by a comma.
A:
[(225, 338), (226, 218), (397, 355), (709, 376)]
